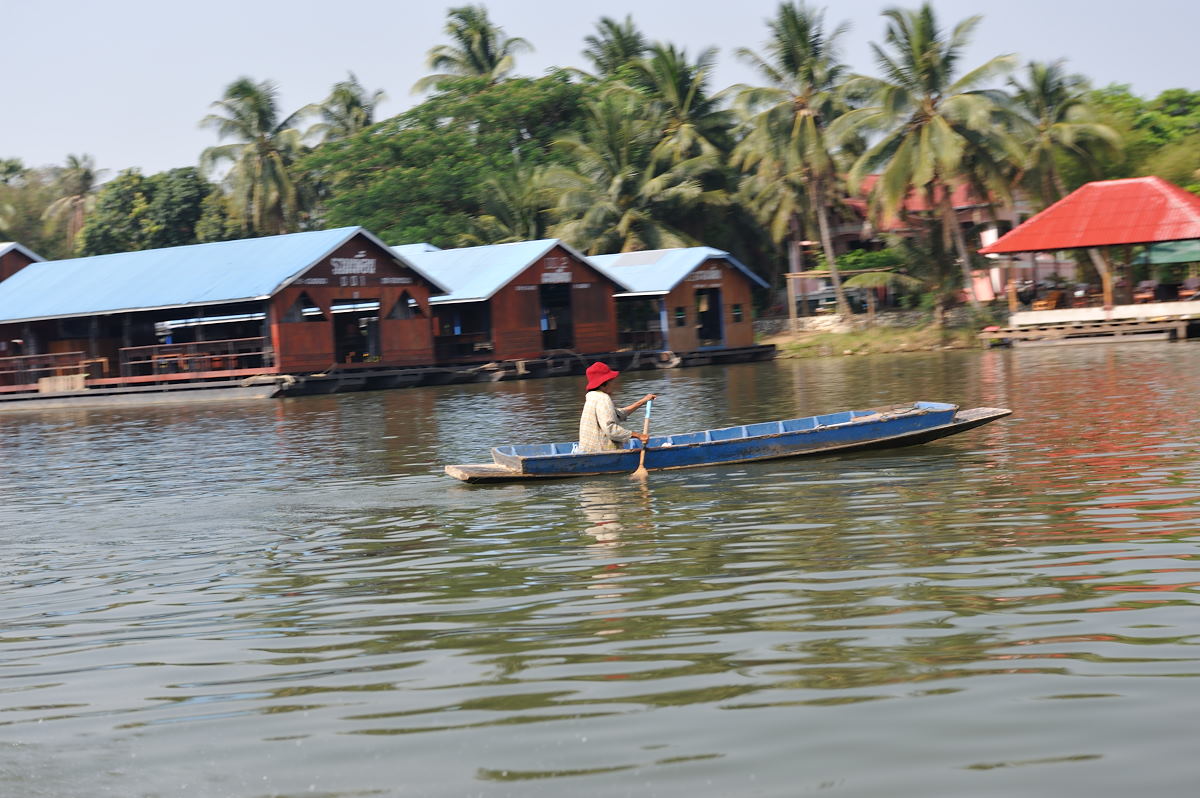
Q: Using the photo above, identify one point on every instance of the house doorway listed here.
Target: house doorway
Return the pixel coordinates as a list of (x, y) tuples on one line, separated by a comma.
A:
[(709, 327), (558, 331), (356, 330)]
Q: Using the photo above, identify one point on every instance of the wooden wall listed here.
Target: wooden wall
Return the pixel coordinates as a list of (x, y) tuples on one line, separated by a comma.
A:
[(516, 308), (735, 290), (357, 271), (12, 262)]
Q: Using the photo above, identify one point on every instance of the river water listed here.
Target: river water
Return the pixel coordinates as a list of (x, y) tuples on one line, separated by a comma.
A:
[(288, 598)]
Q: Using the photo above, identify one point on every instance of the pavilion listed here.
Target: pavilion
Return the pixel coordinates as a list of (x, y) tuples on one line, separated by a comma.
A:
[(1105, 214)]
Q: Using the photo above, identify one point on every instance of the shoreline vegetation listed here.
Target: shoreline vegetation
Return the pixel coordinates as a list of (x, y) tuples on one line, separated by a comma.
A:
[(817, 163), (927, 337)]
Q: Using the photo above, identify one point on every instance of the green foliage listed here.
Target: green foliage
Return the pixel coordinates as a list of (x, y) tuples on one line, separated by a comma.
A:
[(421, 176), (614, 46), (76, 185), (265, 146), (1159, 136), (871, 259), (25, 195), (617, 195), (480, 49), (219, 219), (133, 212), (786, 152), (348, 109)]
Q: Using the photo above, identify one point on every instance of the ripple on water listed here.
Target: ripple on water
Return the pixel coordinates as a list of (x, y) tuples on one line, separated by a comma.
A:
[(310, 609)]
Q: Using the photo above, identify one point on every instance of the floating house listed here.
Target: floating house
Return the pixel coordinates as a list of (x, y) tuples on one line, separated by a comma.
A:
[(682, 300), (517, 301), (14, 257), (282, 304)]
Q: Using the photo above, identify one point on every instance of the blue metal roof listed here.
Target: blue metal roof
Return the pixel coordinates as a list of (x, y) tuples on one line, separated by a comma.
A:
[(199, 274), (658, 271), (474, 274), (408, 250)]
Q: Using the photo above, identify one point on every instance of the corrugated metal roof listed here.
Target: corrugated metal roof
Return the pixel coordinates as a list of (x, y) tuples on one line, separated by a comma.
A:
[(406, 250), (657, 271), (7, 246), (1137, 210), (474, 274), (199, 274)]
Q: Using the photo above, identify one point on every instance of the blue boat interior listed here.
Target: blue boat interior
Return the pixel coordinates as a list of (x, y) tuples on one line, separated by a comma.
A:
[(744, 431)]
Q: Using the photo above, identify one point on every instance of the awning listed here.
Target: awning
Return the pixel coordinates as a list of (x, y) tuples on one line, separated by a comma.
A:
[(1171, 252)]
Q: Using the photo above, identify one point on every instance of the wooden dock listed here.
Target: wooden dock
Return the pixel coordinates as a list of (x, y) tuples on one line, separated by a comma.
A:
[(76, 390), (1090, 332)]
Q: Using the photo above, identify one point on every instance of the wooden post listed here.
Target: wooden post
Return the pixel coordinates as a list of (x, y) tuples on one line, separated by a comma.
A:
[(93, 335), (793, 322), (1010, 286)]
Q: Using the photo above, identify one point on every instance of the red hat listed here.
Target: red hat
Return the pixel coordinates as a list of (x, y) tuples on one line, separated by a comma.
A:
[(598, 374)]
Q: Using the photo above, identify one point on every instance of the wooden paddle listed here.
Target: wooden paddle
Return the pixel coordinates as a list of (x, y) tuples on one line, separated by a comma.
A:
[(641, 472)]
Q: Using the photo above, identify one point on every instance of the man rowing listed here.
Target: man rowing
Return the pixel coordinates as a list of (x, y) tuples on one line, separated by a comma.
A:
[(599, 427)]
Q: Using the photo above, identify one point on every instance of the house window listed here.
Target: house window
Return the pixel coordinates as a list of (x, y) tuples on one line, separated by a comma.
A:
[(680, 317), (303, 309), (406, 308), (736, 311)]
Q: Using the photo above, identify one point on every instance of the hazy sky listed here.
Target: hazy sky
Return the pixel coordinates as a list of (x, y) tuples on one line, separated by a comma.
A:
[(128, 80)]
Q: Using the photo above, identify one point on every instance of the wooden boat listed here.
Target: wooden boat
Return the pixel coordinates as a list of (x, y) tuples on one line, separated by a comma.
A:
[(850, 430)]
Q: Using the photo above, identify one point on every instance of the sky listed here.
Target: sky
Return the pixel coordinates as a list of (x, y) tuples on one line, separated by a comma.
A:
[(127, 81)]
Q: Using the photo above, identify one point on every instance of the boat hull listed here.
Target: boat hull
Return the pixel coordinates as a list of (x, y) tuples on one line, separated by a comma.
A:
[(852, 437)]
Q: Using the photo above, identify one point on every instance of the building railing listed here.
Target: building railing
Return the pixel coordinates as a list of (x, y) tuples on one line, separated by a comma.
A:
[(197, 356), (470, 346), (641, 339), (28, 369)]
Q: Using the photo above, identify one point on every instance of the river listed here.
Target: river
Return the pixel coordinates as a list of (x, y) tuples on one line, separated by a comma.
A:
[(288, 598)]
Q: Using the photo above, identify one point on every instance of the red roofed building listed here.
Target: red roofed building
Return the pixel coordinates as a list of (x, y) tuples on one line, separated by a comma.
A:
[(1105, 213), (981, 218), (1136, 210)]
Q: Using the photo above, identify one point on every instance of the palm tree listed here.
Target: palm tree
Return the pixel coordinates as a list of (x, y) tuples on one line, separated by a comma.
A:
[(1054, 121), (617, 197), (347, 110), (514, 208), (11, 171), (881, 279), (787, 151), (693, 123), (614, 45), (261, 157), (77, 183), (938, 130), (480, 49)]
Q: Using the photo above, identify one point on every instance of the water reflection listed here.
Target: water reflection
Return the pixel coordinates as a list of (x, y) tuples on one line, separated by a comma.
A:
[(309, 608)]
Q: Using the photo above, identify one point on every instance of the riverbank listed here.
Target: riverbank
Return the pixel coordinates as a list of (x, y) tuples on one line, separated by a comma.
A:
[(902, 331), (872, 341)]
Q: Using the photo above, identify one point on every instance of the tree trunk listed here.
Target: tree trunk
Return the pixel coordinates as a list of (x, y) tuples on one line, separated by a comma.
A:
[(1104, 269), (818, 200), (960, 244), (939, 310)]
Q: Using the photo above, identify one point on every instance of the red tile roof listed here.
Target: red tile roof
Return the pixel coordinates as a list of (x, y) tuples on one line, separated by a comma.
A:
[(1137, 210), (961, 197)]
